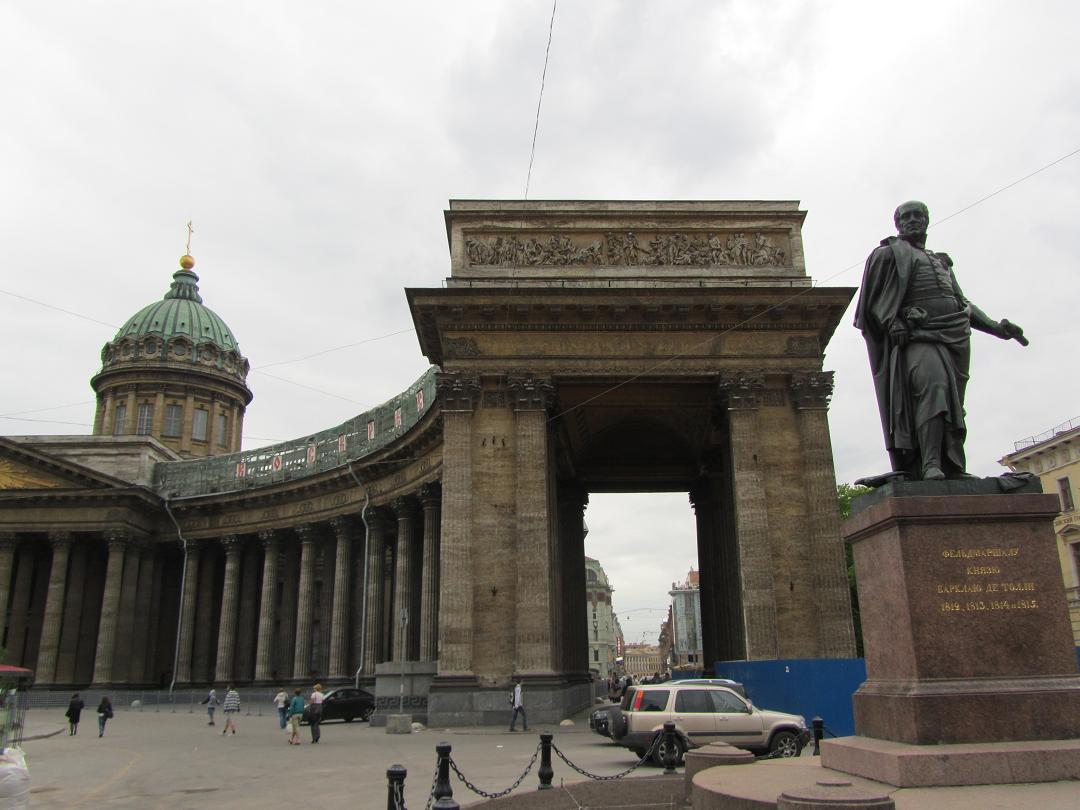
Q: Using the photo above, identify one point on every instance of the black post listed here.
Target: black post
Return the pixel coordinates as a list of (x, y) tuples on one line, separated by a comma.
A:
[(671, 754), (546, 771), (446, 803), (442, 780), (395, 787), (819, 732)]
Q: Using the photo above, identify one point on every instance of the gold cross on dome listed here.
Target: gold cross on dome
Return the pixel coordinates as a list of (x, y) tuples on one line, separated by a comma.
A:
[(190, 231)]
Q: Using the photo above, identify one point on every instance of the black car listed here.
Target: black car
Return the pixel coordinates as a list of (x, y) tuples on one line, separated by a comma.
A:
[(344, 704), (601, 719)]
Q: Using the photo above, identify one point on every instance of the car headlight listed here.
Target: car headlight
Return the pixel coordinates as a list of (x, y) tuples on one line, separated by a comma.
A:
[(802, 721)]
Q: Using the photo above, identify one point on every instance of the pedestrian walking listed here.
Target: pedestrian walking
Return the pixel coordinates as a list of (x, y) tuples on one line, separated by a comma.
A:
[(104, 713), (316, 702), (231, 708), (281, 701), (211, 702), (295, 712), (73, 713), (519, 707)]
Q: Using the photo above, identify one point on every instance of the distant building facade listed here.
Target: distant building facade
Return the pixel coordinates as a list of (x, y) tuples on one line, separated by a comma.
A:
[(642, 660), (602, 621), (686, 652), (1054, 456)]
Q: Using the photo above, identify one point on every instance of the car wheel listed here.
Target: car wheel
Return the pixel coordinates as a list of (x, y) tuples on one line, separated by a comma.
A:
[(366, 714), (661, 749), (640, 753), (784, 744), (347, 718)]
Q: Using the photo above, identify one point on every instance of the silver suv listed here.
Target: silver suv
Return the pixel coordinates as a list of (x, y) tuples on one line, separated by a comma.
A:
[(703, 713)]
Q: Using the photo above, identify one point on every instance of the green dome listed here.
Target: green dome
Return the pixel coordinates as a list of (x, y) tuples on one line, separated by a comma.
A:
[(180, 312)]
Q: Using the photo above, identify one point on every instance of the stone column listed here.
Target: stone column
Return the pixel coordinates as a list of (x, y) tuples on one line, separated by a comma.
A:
[(708, 564), (832, 595), (187, 612), (305, 601), (230, 595), (204, 615), (125, 624), (429, 588), (373, 591), (743, 391), (339, 620), (457, 394), (20, 604), (7, 566), (286, 654), (264, 665), (247, 629), (572, 502), (405, 509), (73, 607), (45, 671), (533, 644), (110, 605), (143, 608)]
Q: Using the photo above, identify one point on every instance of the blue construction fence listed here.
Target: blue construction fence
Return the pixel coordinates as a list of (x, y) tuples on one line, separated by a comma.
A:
[(811, 687)]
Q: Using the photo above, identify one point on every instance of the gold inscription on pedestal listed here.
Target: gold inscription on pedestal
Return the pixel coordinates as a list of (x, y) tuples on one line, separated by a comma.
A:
[(1007, 593)]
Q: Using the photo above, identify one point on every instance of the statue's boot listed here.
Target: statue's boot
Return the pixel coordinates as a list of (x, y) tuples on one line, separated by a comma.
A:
[(931, 435)]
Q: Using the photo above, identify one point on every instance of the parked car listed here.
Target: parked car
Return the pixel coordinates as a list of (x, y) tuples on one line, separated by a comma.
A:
[(600, 719), (703, 713), (344, 704)]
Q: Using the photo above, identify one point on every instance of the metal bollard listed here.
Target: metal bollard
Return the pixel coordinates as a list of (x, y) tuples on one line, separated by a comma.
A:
[(671, 754), (446, 803), (819, 732), (546, 771), (395, 787), (442, 787)]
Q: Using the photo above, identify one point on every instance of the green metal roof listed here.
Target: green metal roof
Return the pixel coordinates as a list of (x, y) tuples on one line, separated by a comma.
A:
[(180, 312)]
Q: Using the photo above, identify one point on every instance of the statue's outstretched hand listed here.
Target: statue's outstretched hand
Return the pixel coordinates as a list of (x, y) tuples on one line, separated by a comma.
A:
[(1012, 330)]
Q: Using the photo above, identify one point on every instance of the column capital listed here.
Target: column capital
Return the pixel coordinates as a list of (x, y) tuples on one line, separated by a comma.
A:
[(574, 492), (429, 494), (530, 393), (193, 546), (60, 539), (701, 495), (231, 543), (404, 507), (117, 538), (457, 391), (341, 526), (811, 389), (306, 532), (268, 538), (743, 389)]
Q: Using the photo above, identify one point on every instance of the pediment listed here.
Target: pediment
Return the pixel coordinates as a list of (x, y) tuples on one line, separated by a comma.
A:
[(26, 468)]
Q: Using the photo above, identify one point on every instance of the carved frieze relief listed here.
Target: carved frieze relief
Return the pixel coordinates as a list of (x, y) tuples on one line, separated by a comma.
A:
[(627, 248)]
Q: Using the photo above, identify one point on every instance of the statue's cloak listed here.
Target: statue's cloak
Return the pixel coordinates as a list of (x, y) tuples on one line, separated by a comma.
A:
[(884, 285)]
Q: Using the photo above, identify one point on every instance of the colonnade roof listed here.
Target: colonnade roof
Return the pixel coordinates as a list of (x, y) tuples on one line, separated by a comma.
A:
[(328, 449)]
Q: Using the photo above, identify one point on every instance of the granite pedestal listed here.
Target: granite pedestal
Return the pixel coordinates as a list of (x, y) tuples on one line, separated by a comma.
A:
[(965, 628)]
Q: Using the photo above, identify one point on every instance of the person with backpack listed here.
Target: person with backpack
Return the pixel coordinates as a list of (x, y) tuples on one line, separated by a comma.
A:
[(104, 713)]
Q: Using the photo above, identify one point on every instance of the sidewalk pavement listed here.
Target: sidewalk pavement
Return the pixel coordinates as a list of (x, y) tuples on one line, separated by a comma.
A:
[(166, 760)]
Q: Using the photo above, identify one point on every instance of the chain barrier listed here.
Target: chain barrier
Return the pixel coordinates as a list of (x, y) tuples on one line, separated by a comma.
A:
[(399, 797), (501, 793), (431, 793), (597, 777)]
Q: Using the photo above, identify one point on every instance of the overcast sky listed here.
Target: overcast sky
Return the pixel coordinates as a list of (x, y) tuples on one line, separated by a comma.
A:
[(315, 146)]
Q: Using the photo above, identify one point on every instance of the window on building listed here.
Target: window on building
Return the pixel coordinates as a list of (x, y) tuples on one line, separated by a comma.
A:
[(1065, 493), (222, 425), (119, 420), (595, 655), (144, 419), (173, 419), (198, 425)]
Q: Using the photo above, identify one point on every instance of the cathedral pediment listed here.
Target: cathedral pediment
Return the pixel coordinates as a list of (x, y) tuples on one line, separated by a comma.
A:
[(26, 468)]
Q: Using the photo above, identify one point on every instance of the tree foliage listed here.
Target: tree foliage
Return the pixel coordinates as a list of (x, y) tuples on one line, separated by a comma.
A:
[(845, 494)]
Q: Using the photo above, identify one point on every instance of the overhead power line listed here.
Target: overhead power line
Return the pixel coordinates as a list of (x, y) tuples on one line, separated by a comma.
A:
[(543, 79)]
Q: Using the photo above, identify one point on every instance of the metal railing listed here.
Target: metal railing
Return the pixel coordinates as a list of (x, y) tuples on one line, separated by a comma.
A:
[(1031, 441)]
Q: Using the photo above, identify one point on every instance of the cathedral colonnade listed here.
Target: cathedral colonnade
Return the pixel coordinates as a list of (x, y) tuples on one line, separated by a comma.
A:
[(274, 606)]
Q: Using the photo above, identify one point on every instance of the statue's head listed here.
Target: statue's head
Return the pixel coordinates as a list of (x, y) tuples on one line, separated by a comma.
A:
[(911, 218)]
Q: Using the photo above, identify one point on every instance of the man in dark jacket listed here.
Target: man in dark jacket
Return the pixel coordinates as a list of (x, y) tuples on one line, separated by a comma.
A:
[(917, 325)]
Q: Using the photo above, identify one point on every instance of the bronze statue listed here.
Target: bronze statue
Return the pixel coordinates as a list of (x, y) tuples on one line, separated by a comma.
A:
[(917, 325)]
